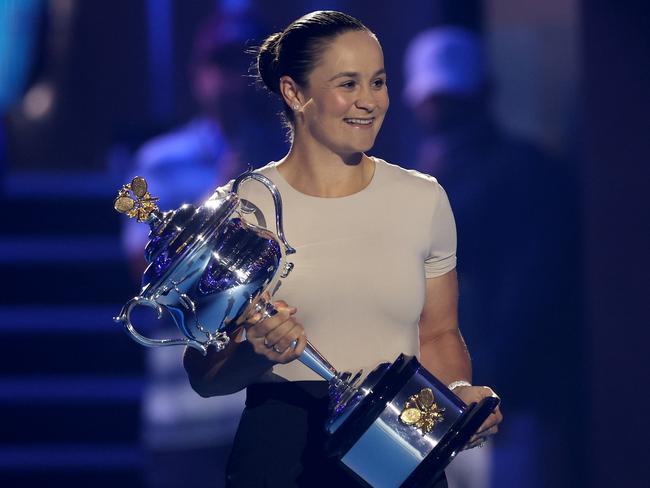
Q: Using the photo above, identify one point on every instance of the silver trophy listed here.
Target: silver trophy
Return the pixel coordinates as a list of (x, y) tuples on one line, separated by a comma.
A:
[(210, 269)]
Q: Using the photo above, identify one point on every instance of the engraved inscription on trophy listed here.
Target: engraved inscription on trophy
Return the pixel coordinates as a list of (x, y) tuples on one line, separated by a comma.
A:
[(422, 412)]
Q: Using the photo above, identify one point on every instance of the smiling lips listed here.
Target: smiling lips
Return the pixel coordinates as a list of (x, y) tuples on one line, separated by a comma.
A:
[(360, 122)]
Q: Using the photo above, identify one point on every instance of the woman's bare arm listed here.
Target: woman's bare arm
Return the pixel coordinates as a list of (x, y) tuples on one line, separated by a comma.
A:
[(225, 372), (244, 361), (443, 351), (442, 348)]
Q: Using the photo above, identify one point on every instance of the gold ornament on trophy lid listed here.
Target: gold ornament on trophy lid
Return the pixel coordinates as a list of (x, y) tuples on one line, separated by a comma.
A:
[(134, 200)]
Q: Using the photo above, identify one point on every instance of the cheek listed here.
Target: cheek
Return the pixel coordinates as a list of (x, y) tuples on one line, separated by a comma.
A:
[(384, 100), (338, 105)]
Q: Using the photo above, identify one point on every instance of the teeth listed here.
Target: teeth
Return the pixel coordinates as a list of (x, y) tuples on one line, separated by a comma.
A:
[(359, 121)]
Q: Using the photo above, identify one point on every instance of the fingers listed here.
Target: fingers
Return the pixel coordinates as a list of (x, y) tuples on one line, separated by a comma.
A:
[(260, 326), (495, 418), (274, 336), (488, 432), (253, 314), (282, 336), (482, 435), (491, 424), (291, 353), (479, 442)]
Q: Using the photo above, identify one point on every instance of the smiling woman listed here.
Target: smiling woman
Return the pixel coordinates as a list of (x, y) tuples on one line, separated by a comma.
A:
[(374, 265), (328, 70), (342, 112)]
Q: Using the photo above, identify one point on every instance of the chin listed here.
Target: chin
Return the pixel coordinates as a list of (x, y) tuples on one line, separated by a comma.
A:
[(360, 146), (350, 153), (366, 147)]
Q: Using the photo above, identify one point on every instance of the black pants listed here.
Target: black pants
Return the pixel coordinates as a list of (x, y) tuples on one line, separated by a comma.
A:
[(279, 443)]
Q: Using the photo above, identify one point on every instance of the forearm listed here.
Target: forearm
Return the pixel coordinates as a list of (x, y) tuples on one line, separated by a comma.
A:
[(276, 339), (445, 355), (225, 372)]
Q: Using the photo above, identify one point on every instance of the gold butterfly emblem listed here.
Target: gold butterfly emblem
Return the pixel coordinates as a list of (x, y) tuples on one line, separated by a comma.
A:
[(422, 411), (134, 200)]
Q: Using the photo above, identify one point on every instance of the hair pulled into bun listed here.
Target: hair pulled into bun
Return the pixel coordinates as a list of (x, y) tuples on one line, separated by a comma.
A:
[(267, 63)]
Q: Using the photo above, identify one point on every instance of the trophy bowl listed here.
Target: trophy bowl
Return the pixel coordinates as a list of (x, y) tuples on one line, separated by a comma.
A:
[(206, 266), (210, 268)]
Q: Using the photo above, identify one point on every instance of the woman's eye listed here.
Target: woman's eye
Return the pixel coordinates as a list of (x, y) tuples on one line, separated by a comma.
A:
[(378, 83), (348, 84)]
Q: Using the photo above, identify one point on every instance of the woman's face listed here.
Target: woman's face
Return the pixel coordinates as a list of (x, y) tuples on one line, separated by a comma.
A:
[(346, 96)]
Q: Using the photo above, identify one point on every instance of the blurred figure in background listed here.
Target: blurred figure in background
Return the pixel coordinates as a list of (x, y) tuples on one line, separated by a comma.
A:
[(188, 437), (509, 207)]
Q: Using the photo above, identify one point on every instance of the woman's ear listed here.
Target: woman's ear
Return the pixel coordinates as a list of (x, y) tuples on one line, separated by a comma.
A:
[(291, 93)]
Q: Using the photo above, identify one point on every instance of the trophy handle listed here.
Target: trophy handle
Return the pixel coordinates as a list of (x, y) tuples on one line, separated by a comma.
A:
[(125, 318), (277, 200)]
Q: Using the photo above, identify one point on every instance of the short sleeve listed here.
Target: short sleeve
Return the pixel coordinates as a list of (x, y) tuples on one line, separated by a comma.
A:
[(442, 251)]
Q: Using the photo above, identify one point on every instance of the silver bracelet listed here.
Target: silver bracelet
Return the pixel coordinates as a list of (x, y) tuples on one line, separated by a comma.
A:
[(457, 384)]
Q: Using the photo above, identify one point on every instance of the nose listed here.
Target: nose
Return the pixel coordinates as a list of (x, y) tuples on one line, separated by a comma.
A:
[(366, 100)]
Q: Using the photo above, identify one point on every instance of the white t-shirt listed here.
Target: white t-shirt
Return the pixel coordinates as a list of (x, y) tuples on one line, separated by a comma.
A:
[(360, 264)]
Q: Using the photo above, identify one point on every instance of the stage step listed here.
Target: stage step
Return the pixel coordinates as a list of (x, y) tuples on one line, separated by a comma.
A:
[(58, 215), (70, 422), (76, 456), (34, 249), (52, 283), (37, 319), (71, 380), (54, 390), (70, 465), (110, 351)]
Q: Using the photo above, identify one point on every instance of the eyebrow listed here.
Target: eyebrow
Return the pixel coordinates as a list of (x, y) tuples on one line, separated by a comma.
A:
[(353, 74)]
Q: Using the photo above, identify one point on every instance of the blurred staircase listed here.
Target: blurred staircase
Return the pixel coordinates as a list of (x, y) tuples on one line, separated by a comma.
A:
[(70, 379)]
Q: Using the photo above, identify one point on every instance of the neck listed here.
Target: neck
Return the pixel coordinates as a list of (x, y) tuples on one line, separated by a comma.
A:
[(317, 171)]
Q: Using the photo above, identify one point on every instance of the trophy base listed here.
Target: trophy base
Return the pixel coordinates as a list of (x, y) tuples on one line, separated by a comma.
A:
[(427, 472), (373, 438)]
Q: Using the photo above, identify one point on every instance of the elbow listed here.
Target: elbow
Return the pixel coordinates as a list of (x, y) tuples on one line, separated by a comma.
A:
[(204, 385), (202, 388), (197, 369), (440, 335), (207, 389), (209, 375)]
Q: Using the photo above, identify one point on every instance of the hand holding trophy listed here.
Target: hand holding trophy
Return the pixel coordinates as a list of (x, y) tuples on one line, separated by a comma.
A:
[(396, 425)]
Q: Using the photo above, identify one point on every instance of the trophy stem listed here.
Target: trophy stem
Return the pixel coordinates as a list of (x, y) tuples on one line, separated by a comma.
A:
[(315, 361)]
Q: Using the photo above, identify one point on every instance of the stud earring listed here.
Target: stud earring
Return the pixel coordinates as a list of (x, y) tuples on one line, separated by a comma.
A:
[(296, 107)]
